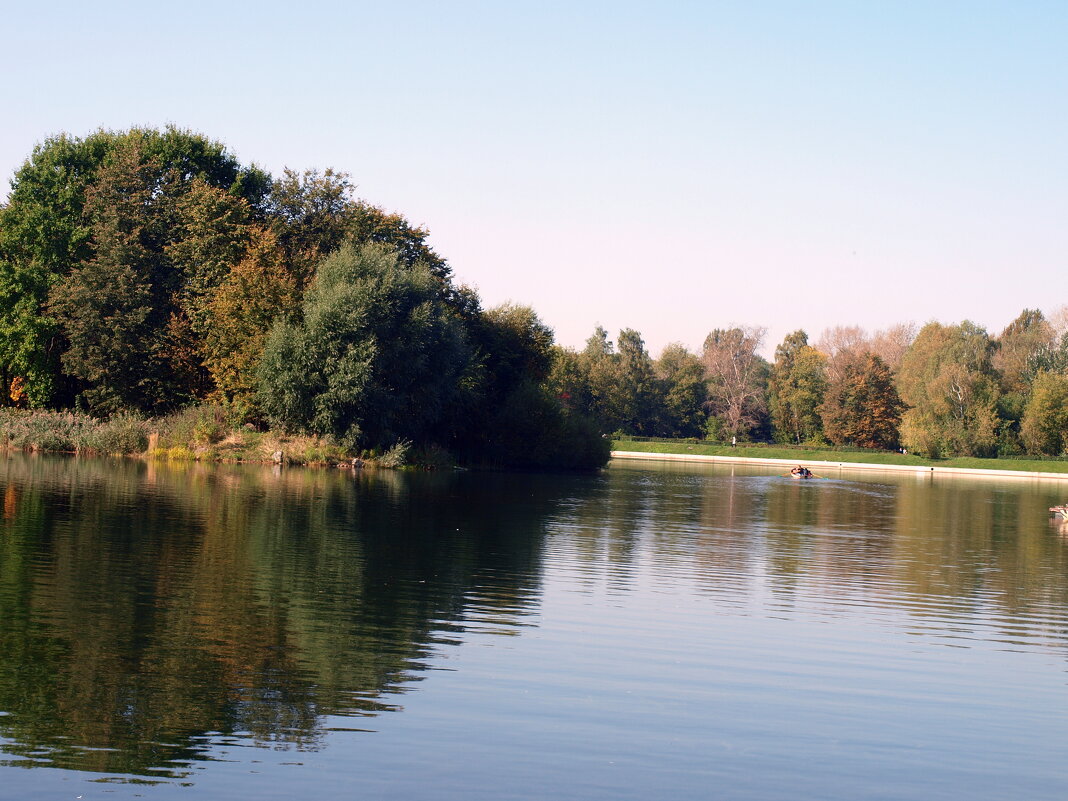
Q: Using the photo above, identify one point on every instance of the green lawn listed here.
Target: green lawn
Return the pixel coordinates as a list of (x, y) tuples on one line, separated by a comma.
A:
[(753, 451)]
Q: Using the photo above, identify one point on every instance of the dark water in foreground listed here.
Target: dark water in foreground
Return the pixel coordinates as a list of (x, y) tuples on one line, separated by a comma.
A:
[(223, 632)]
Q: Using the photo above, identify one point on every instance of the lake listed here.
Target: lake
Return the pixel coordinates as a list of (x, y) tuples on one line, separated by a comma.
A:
[(649, 632)]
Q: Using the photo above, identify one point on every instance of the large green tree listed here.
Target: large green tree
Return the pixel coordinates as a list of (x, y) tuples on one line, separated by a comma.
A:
[(684, 393), (48, 228), (374, 358), (1044, 427), (948, 380), (115, 309), (797, 386)]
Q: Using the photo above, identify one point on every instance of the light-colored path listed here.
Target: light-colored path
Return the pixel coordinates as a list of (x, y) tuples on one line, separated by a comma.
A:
[(824, 467)]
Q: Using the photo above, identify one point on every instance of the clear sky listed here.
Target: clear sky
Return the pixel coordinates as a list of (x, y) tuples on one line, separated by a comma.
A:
[(671, 167)]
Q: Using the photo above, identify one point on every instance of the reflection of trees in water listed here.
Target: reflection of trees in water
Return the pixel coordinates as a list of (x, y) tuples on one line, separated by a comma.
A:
[(989, 546), (144, 607), (835, 534), (935, 549), (150, 608)]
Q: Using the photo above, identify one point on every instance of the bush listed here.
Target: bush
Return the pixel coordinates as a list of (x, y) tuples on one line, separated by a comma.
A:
[(45, 431), (193, 426), (395, 456), (123, 434)]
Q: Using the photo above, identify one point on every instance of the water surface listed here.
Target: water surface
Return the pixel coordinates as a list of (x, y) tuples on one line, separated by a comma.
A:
[(648, 632)]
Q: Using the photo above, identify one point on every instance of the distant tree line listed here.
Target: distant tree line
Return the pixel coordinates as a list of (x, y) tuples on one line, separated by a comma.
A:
[(147, 270), (942, 390)]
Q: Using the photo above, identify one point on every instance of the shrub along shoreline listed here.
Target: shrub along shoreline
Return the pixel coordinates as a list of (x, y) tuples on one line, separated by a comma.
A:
[(192, 434)]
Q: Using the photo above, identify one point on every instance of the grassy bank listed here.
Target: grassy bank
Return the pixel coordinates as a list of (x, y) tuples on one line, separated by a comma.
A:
[(194, 434), (800, 454)]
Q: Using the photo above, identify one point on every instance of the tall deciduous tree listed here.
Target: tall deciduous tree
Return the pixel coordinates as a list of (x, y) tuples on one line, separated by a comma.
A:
[(310, 213), (797, 386), (948, 380), (861, 406), (1023, 338), (637, 389), (1044, 427), (841, 344), (598, 360), (46, 231), (684, 391), (737, 378), (114, 310), (891, 344), (258, 291)]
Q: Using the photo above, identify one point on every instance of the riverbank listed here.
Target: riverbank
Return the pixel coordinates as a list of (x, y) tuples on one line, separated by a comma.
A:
[(194, 434), (824, 467)]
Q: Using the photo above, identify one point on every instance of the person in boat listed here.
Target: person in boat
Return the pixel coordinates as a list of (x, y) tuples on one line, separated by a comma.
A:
[(801, 472)]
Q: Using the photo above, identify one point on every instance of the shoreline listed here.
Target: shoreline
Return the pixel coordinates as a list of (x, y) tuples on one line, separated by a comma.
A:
[(816, 466)]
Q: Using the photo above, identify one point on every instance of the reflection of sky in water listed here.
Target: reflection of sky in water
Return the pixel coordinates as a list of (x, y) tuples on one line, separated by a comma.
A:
[(638, 634)]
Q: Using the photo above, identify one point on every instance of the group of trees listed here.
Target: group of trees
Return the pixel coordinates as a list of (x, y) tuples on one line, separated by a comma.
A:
[(146, 270), (941, 390)]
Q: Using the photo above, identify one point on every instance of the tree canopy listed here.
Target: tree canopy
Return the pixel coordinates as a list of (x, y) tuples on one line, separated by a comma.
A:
[(148, 269)]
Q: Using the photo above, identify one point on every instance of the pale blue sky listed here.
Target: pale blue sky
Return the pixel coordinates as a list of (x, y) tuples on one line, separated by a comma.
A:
[(670, 167)]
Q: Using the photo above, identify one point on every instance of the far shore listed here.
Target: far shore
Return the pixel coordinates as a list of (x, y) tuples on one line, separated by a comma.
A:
[(823, 467)]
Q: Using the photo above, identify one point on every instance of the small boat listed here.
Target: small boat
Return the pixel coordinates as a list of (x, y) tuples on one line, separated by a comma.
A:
[(1059, 511), (801, 472)]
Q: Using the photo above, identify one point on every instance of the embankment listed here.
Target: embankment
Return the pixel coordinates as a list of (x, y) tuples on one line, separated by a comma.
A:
[(837, 468)]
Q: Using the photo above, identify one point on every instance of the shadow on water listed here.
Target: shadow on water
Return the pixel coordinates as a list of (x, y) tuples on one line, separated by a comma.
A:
[(146, 610)]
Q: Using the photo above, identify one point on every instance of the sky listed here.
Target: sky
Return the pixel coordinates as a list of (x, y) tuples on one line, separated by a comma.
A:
[(670, 167)]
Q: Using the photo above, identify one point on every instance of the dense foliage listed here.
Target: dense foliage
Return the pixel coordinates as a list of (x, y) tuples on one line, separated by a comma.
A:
[(144, 271), (947, 390)]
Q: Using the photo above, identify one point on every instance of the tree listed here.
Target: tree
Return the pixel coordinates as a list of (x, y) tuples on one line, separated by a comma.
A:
[(237, 317), (637, 391), (510, 349), (684, 393), (1044, 428), (737, 378), (1023, 338), (1053, 358), (374, 358), (46, 231), (310, 213), (519, 418), (950, 385), (841, 345), (861, 406), (114, 310), (569, 381), (798, 383), (598, 363), (368, 223), (891, 343), (518, 344), (212, 231)]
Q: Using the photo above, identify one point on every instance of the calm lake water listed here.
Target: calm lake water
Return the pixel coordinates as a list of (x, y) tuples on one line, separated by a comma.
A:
[(650, 632)]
